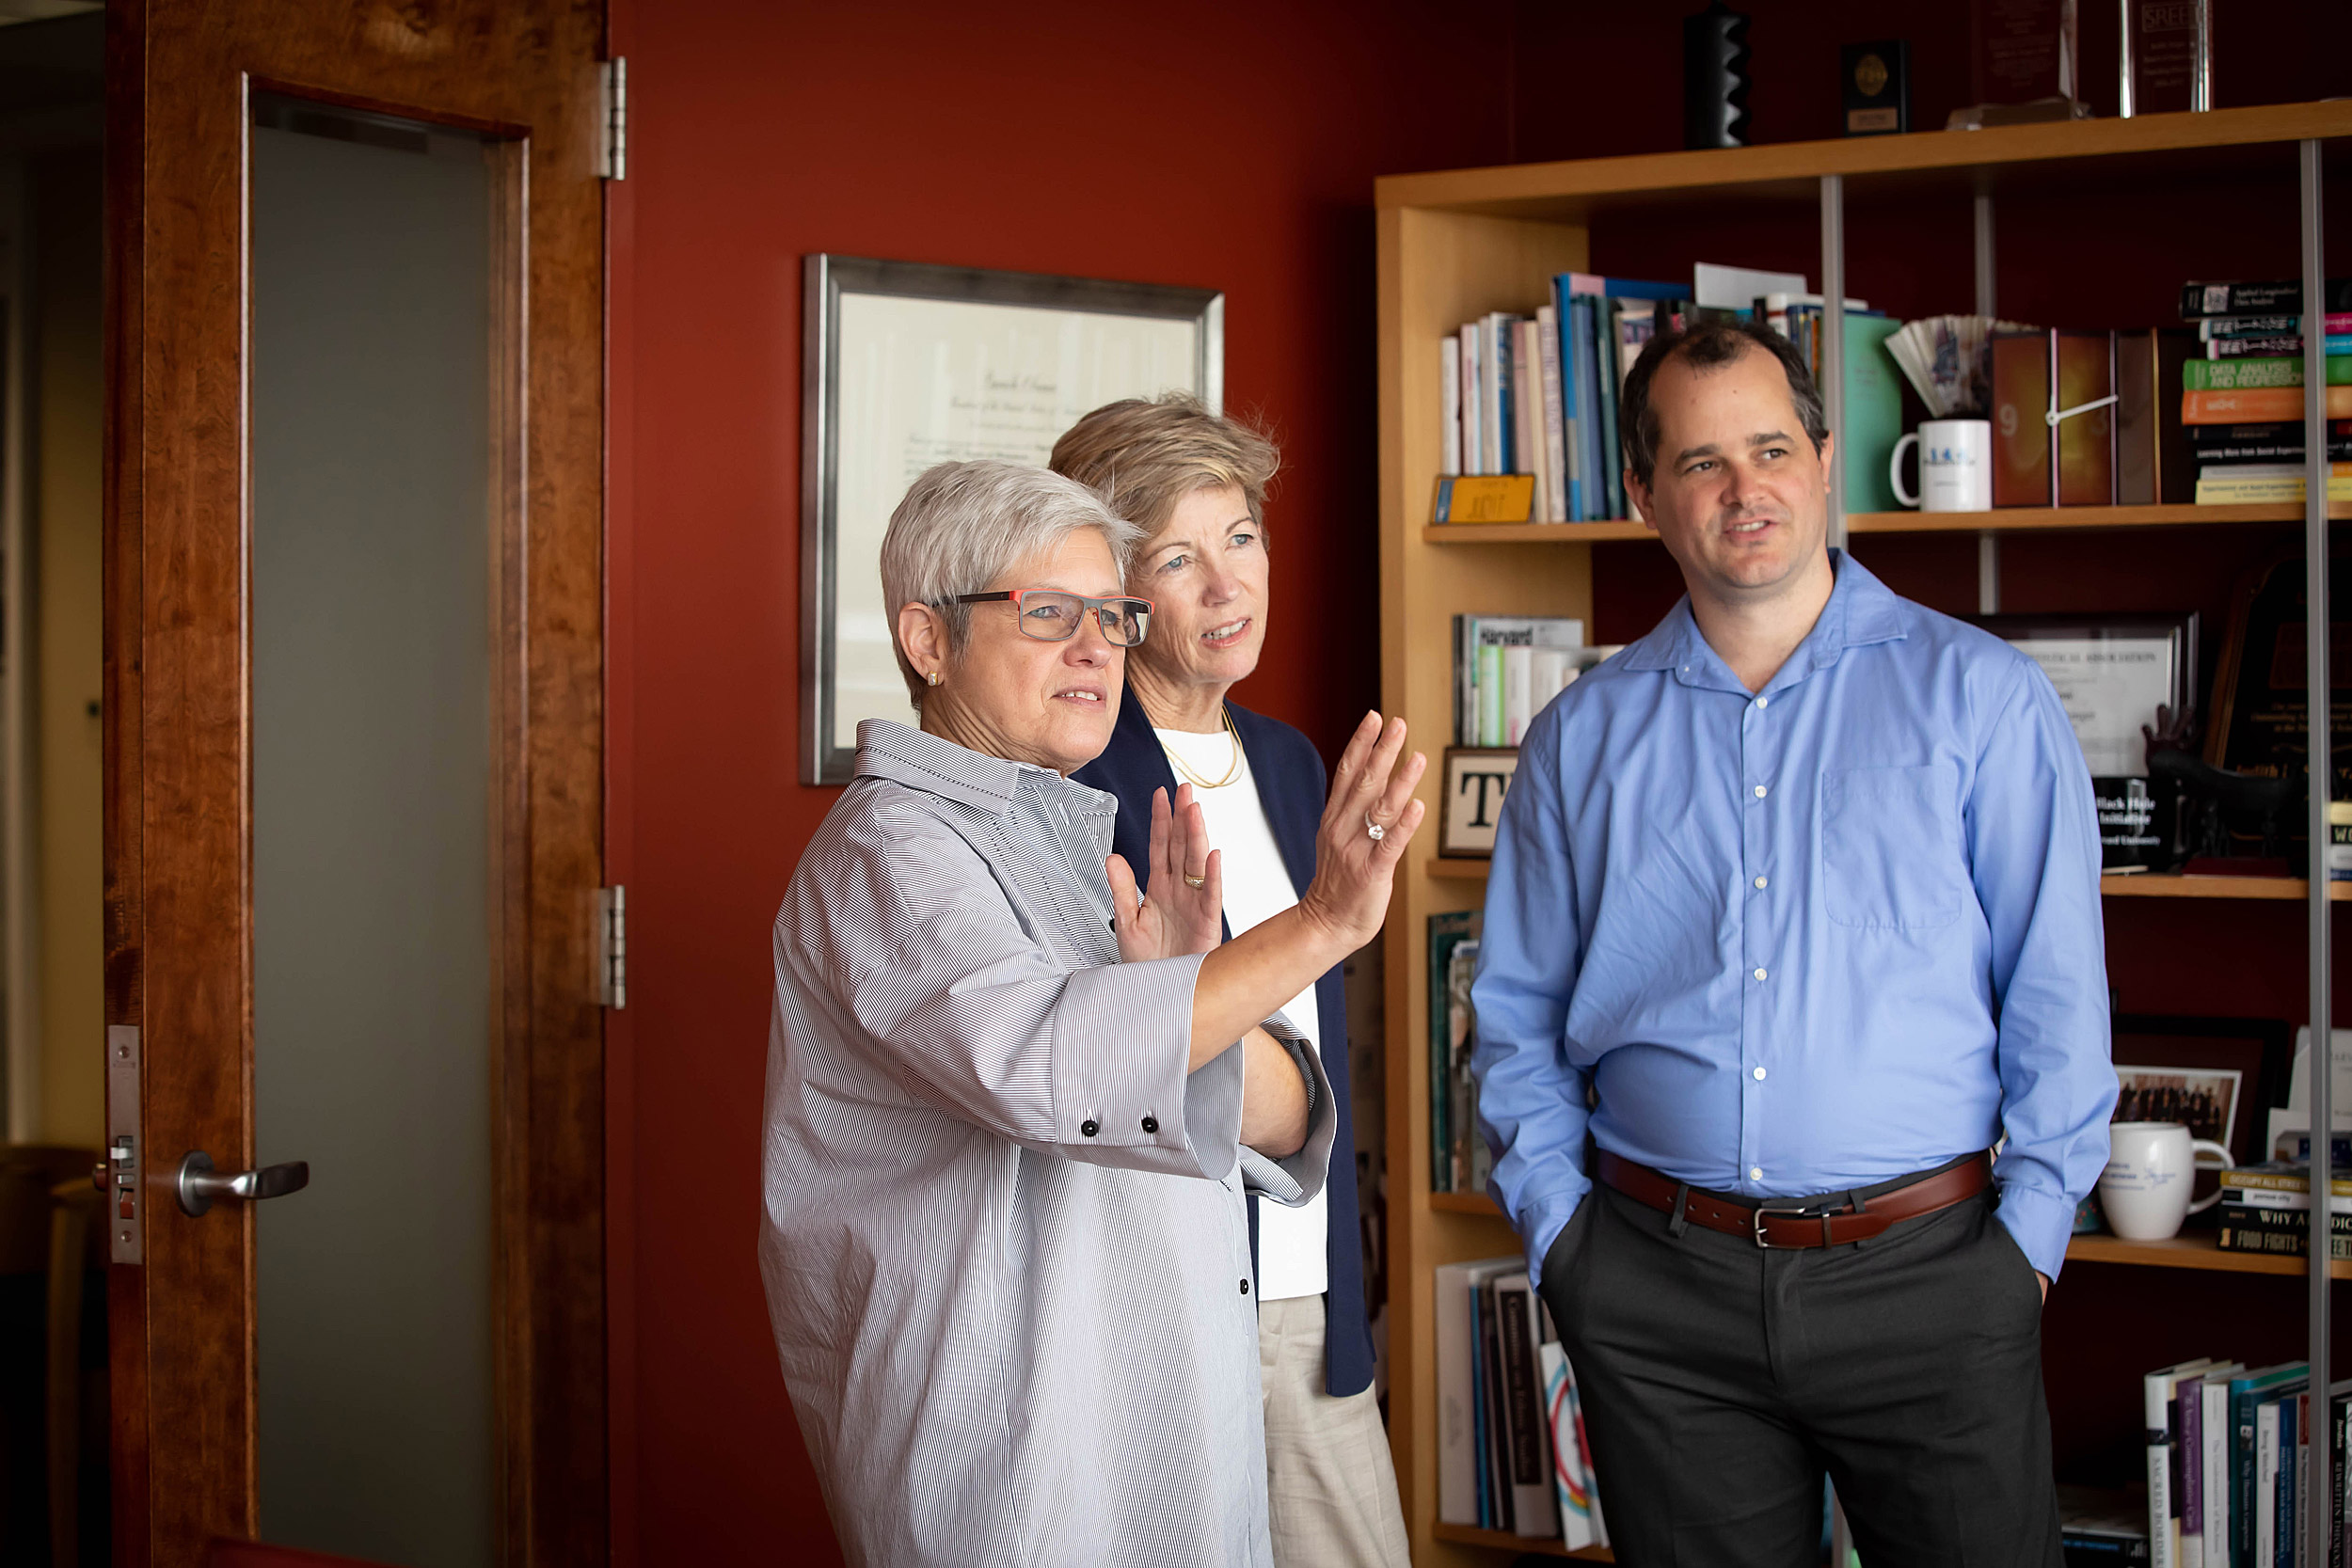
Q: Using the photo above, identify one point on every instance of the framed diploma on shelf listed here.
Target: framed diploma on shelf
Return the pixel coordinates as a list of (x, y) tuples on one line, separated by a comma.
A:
[(905, 365), (2112, 672)]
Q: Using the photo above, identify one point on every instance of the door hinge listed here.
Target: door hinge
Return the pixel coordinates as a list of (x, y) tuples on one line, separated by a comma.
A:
[(613, 947), (613, 88)]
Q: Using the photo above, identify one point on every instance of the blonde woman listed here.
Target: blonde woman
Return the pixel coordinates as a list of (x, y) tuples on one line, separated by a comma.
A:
[(1195, 482)]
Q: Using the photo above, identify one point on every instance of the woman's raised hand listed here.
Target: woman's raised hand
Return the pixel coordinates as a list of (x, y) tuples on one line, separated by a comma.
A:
[(1185, 911), (1367, 822)]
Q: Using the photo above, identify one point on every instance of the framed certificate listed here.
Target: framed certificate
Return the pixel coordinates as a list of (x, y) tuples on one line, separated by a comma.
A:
[(905, 365), (2112, 672)]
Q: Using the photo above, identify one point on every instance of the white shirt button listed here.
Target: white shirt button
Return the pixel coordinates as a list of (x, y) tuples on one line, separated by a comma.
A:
[(1759, 1075), (1763, 881), (1759, 974), (1763, 702), (1755, 1173), (1759, 792)]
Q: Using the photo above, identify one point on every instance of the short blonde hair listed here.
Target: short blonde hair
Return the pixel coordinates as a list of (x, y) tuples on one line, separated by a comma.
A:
[(1145, 455), (963, 525)]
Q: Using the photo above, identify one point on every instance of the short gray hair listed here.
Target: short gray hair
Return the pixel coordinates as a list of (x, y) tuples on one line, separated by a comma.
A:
[(963, 525)]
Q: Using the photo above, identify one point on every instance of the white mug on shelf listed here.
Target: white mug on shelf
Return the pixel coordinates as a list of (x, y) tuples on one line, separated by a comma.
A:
[(1955, 466), (2151, 1167)]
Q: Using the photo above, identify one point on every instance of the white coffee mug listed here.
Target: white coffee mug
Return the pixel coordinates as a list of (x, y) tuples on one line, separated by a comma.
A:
[(2151, 1167), (1955, 466)]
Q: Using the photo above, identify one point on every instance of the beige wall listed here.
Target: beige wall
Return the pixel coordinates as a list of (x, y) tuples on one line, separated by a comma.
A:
[(63, 191)]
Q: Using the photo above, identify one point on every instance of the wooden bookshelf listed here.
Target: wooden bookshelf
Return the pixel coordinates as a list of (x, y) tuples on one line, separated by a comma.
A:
[(2016, 520), (1453, 246)]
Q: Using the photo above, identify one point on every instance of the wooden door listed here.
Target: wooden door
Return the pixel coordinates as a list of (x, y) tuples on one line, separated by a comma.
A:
[(188, 83)]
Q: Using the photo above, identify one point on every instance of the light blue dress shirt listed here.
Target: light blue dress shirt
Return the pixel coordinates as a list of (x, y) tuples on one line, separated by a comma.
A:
[(1797, 942)]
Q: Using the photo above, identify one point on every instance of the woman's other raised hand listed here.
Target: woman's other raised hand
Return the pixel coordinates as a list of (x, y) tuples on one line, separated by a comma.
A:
[(1186, 910)]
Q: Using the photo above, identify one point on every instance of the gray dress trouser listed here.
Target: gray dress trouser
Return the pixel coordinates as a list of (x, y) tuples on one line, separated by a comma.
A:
[(1720, 1381)]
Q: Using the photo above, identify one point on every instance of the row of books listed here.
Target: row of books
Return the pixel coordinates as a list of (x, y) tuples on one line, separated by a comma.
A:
[(2242, 396), (1508, 667), (1512, 1453), (2268, 1208), (2230, 1454), (1458, 1158), (1538, 396)]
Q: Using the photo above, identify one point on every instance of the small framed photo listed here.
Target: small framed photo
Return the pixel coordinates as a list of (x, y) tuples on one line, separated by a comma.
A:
[(1477, 779), (2205, 1100), (2215, 1076)]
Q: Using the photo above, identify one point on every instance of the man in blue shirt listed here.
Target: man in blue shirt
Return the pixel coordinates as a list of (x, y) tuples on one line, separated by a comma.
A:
[(1794, 917)]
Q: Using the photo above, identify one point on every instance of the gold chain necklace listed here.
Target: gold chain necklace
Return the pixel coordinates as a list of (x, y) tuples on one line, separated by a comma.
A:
[(1196, 780)]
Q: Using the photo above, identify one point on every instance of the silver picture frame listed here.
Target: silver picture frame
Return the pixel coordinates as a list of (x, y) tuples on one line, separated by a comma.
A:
[(916, 340)]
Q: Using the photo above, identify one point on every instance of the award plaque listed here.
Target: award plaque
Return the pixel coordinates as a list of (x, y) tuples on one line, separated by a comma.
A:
[(2166, 58), (2261, 708), (2026, 51), (1877, 81), (2112, 672)]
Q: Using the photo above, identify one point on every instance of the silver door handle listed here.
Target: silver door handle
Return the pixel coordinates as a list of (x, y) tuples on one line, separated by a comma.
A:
[(201, 1185)]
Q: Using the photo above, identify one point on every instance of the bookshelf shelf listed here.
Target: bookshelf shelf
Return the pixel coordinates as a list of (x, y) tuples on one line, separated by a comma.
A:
[(1505, 1540), (2188, 1252), (2017, 519), (2180, 1252), (1931, 161), (1465, 1203), (1453, 246), (1532, 534), (2279, 888)]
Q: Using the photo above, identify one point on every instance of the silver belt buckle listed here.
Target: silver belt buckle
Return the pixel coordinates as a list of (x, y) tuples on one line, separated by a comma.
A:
[(1756, 1225)]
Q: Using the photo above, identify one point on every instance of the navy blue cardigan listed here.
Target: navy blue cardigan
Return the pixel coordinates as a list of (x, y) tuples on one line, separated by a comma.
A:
[(1290, 788)]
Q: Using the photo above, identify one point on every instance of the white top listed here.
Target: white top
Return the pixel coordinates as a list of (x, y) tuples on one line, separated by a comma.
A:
[(1292, 1260)]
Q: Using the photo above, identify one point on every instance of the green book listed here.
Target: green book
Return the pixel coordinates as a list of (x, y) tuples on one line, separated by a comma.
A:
[(2239, 375), (1874, 412)]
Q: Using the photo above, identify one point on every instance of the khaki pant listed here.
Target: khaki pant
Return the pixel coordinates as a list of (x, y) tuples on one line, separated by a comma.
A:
[(1330, 1486)]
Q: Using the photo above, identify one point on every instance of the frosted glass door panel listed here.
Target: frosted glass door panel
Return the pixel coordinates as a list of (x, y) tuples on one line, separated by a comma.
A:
[(371, 670)]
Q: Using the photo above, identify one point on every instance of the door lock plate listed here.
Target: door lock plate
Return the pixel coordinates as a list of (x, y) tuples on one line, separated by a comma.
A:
[(126, 1208)]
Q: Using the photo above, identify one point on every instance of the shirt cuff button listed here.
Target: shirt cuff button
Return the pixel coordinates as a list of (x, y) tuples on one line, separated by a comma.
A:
[(1150, 1124), (1089, 1127)]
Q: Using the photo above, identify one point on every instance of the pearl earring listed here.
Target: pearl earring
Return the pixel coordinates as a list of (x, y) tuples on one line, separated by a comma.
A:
[(931, 679)]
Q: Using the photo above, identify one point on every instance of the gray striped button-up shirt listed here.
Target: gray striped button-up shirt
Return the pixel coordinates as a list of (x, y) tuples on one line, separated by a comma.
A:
[(1003, 1236)]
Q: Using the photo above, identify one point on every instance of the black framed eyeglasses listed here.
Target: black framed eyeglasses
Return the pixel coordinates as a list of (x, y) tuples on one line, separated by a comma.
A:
[(1051, 615)]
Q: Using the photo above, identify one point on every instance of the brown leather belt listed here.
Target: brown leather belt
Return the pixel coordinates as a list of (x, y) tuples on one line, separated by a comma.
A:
[(1776, 1225)]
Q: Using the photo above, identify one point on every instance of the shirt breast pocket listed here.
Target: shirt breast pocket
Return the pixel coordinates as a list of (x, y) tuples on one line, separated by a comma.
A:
[(1890, 847)]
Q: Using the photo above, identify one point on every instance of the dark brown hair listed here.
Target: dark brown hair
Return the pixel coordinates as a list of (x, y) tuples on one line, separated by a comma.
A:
[(1709, 345)]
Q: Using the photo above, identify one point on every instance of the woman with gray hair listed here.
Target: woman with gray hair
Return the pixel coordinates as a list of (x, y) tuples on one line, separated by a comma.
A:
[(1012, 1105)]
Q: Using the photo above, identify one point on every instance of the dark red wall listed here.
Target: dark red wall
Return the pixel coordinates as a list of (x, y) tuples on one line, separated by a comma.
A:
[(1224, 144), (1227, 144)]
